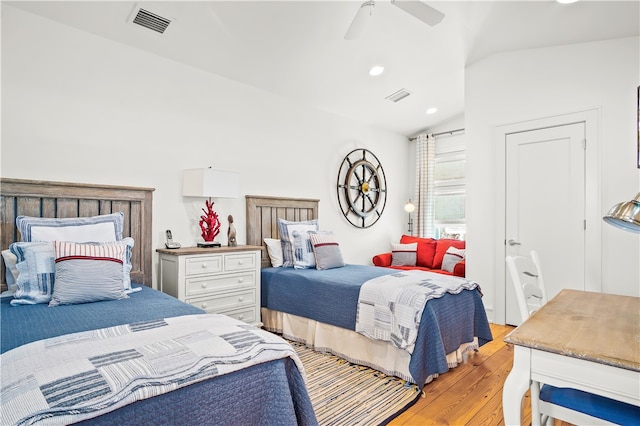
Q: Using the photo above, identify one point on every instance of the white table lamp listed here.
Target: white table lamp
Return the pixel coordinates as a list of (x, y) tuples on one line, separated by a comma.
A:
[(210, 183)]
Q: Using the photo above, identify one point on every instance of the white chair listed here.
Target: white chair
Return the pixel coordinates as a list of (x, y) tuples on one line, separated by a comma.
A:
[(566, 404), (526, 275)]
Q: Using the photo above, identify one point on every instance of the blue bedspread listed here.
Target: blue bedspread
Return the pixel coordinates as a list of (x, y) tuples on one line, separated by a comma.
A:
[(275, 390), (28, 323), (331, 296)]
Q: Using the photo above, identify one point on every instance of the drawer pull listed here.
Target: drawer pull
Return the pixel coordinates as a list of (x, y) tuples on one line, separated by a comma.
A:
[(241, 280), (241, 262), (204, 306), (241, 317), (240, 299), (204, 266), (204, 285)]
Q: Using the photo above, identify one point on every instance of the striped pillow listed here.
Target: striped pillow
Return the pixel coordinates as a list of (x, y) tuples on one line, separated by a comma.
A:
[(126, 266), (107, 227), (326, 249), (88, 272)]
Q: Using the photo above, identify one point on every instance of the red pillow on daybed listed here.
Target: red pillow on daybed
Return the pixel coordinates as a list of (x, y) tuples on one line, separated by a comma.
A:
[(441, 248)]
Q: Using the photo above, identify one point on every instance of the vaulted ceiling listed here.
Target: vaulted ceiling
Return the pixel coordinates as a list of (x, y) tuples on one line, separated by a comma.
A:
[(297, 49)]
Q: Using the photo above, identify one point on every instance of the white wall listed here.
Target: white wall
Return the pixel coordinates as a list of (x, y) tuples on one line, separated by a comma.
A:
[(527, 85), (80, 108)]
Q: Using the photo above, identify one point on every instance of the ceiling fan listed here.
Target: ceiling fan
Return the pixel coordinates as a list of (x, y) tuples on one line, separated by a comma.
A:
[(418, 9)]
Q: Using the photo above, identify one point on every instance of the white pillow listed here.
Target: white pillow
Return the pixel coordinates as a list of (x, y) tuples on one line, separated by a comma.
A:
[(100, 228), (274, 249)]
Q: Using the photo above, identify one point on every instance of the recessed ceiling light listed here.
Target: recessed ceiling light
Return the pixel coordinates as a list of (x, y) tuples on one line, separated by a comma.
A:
[(431, 110), (376, 70)]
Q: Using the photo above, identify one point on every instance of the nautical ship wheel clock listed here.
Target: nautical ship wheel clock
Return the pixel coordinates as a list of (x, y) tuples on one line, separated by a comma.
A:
[(362, 188)]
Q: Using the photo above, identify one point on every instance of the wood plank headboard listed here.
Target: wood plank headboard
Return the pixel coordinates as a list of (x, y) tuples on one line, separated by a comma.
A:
[(63, 199), (263, 214)]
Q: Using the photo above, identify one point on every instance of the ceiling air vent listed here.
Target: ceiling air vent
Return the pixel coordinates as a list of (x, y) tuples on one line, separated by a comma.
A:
[(399, 95), (151, 21)]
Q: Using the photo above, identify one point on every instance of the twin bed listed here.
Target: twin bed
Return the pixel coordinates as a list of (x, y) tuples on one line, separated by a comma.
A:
[(319, 307), (133, 377), (250, 376)]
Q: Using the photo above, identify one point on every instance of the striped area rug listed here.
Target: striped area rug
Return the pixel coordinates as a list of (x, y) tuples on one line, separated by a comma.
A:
[(343, 393)]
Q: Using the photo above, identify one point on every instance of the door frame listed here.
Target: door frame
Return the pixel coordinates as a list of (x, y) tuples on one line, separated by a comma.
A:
[(593, 256)]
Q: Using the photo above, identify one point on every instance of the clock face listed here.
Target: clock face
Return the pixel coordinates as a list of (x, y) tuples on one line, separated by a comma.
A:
[(362, 188)]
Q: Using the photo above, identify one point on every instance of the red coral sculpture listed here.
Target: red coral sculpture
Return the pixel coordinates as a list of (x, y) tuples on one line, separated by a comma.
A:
[(209, 222)]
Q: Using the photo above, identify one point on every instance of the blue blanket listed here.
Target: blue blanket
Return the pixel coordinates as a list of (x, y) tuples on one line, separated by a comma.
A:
[(331, 296), (274, 390), (28, 323)]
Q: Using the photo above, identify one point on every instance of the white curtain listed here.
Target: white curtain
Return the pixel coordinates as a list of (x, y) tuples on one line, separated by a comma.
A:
[(425, 163)]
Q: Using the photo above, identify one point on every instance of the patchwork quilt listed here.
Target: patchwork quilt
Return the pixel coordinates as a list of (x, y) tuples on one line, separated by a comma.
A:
[(390, 307), (79, 376)]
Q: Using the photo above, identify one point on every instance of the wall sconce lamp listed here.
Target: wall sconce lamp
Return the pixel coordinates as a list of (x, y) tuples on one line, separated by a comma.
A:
[(409, 208), (625, 215), (212, 184)]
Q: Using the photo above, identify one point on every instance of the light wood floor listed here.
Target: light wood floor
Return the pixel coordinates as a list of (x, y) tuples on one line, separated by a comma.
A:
[(470, 394)]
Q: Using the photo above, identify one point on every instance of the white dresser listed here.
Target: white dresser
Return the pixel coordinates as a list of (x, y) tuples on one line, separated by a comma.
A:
[(223, 280)]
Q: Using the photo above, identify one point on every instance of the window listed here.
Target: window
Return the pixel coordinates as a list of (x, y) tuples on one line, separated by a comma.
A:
[(449, 194)]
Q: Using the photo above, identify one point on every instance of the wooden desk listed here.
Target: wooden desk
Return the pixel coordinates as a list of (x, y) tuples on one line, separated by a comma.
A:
[(582, 340)]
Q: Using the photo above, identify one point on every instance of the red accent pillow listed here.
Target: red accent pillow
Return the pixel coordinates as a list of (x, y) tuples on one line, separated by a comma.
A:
[(441, 248), (426, 250)]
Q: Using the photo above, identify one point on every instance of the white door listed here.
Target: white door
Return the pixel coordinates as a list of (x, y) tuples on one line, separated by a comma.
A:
[(545, 206)]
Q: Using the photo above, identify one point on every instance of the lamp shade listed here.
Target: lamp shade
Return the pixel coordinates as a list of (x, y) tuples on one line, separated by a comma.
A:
[(210, 183), (409, 207), (625, 215)]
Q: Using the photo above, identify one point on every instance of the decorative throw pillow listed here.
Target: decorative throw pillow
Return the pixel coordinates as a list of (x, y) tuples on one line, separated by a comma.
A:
[(11, 271), (451, 257), (274, 249), (101, 228), (88, 273), (286, 229), (36, 272), (303, 257), (326, 250), (404, 254), (426, 249), (126, 266)]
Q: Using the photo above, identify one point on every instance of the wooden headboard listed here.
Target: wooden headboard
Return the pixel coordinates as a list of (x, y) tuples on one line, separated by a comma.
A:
[(263, 214), (62, 199)]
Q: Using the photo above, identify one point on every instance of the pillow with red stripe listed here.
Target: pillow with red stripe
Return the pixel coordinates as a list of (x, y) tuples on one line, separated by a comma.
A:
[(404, 254), (326, 250), (88, 272)]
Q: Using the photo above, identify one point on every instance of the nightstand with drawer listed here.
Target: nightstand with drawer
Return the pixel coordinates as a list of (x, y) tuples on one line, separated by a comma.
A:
[(223, 280)]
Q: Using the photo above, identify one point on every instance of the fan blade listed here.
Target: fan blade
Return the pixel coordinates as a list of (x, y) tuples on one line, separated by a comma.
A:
[(360, 20), (423, 12)]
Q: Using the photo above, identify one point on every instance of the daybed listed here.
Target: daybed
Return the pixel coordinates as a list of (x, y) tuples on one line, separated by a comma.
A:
[(320, 307), (141, 358), (444, 256)]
